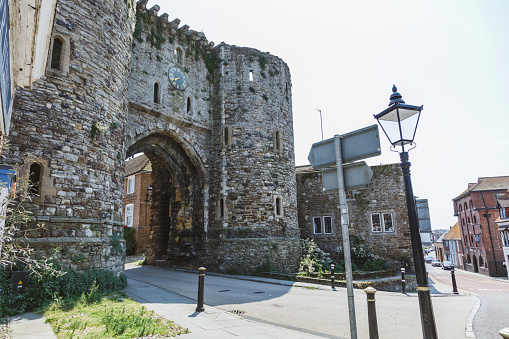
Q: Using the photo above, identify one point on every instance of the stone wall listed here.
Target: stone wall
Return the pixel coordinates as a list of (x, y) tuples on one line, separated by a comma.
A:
[(385, 194), (72, 123), (222, 149)]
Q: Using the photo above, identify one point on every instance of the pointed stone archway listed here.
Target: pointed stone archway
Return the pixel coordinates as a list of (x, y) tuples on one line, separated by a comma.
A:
[(179, 193)]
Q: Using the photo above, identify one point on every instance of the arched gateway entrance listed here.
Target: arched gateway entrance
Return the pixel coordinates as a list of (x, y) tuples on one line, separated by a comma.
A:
[(177, 228)]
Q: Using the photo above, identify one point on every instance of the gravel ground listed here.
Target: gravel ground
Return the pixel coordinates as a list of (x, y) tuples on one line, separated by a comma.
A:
[(4, 329)]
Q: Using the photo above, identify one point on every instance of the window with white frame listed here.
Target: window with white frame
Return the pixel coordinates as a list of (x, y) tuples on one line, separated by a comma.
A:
[(129, 211), (322, 224), (382, 222), (130, 184)]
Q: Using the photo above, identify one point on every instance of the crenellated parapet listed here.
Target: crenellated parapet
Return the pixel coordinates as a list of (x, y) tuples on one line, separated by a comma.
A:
[(162, 29)]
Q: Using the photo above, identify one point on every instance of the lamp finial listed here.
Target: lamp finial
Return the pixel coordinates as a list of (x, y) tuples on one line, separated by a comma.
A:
[(395, 98)]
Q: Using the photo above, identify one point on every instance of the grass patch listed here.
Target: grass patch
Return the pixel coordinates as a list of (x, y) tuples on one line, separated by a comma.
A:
[(114, 315)]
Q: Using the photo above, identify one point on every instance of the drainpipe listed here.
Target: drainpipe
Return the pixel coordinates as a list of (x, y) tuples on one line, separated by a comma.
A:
[(487, 216)]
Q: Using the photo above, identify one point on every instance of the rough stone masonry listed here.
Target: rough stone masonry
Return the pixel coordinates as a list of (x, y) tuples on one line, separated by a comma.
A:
[(221, 143)]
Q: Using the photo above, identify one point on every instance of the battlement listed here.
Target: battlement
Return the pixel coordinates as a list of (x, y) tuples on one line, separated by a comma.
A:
[(163, 28)]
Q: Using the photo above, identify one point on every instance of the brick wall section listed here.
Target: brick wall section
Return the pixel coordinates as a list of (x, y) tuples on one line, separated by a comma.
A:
[(487, 249), (386, 193), (141, 212)]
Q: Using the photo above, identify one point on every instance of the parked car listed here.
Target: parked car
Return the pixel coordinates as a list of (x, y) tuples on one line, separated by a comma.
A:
[(428, 259), (436, 263), (447, 265)]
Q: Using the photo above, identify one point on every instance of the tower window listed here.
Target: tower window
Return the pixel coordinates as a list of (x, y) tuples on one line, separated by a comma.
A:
[(278, 206), (221, 209), (251, 76), (189, 107), (226, 139), (56, 54), (156, 93), (178, 53), (35, 178), (277, 140)]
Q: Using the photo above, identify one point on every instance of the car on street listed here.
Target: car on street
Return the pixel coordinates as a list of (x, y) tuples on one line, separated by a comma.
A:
[(428, 259), (436, 263), (447, 265)]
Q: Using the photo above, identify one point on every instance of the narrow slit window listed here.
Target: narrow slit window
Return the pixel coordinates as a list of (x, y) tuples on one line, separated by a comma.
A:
[(226, 138), (35, 178), (56, 54), (278, 140), (278, 206), (221, 208), (189, 107), (250, 75), (178, 52), (156, 93)]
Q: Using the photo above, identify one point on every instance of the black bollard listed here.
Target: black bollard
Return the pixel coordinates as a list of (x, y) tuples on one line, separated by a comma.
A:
[(453, 277), (372, 322), (201, 285), (332, 277), (403, 281)]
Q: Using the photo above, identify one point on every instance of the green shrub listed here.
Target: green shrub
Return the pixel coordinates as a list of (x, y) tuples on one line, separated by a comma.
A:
[(45, 287), (313, 260)]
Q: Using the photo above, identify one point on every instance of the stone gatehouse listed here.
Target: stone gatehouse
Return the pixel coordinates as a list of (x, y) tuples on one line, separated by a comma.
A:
[(214, 121), (377, 214)]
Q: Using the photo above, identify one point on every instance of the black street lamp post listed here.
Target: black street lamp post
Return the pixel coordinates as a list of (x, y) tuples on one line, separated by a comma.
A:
[(399, 123)]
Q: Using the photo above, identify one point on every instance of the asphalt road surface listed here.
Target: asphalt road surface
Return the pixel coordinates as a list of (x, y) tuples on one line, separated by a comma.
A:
[(321, 312), (493, 315)]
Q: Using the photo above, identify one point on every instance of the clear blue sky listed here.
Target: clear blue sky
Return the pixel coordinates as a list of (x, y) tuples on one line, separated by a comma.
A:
[(450, 56)]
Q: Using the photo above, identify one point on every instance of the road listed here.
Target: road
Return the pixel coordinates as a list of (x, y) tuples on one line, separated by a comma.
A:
[(493, 315), (321, 312)]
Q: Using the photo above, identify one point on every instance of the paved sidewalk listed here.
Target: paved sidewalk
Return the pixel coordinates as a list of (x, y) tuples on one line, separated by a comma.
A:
[(210, 324)]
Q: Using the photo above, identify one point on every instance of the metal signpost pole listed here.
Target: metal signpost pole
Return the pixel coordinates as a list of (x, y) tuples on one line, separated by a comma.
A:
[(343, 208)]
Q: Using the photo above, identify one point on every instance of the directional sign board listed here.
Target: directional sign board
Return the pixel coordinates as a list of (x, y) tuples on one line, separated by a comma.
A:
[(356, 174), (361, 144)]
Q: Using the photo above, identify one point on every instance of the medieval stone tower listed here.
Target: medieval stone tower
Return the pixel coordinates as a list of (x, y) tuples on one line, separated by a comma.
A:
[(215, 122)]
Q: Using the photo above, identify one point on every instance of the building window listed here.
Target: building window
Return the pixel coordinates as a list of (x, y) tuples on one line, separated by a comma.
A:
[(466, 206), (56, 53), (322, 224), (251, 78), (382, 222), (130, 184), (189, 107), (481, 261), (461, 209), (178, 53), (34, 178), (129, 211), (277, 140), (278, 206), (156, 93), (317, 225), (502, 213), (226, 138), (221, 209), (59, 54)]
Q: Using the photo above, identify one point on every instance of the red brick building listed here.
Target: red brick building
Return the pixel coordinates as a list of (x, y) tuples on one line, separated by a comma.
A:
[(503, 225), (476, 209), (137, 199)]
